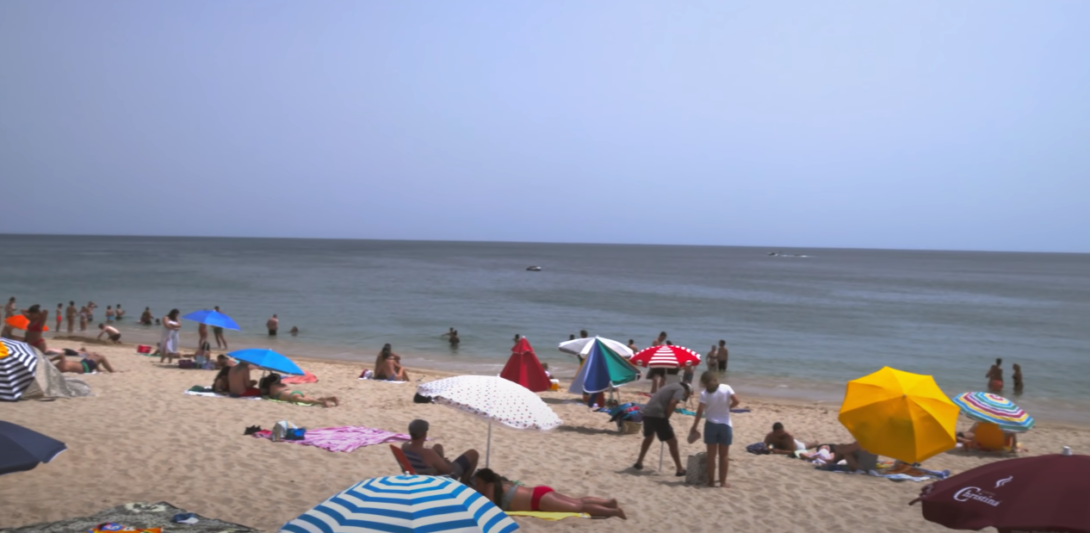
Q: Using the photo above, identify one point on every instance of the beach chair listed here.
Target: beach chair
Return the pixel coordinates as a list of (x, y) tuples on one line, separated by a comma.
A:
[(403, 461)]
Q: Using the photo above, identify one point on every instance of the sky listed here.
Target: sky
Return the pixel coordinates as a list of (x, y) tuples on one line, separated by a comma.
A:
[(919, 125)]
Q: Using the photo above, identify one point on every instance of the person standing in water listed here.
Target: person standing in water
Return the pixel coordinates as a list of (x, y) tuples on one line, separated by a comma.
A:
[(1016, 375), (36, 326), (70, 315), (221, 341), (9, 309), (60, 316), (273, 324), (995, 376), (721, 355)]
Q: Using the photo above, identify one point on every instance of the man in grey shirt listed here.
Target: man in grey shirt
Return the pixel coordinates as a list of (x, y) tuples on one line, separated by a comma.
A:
[(656, 421)]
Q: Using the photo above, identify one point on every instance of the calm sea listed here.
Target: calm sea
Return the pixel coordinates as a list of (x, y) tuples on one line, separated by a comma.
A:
[(796, 326)]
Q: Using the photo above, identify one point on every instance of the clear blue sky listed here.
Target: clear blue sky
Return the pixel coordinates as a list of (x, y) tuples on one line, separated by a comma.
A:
[(928, 124)]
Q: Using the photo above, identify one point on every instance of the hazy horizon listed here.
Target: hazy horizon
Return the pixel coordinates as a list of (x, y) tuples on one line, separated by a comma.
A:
[(787, 249), (922, 126)]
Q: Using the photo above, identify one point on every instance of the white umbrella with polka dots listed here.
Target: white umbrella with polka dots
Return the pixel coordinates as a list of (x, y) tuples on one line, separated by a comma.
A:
[(494, 399)]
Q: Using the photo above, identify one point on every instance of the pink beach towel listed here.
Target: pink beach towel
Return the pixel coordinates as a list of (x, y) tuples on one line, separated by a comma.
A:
[(307, 377), (343, 439)]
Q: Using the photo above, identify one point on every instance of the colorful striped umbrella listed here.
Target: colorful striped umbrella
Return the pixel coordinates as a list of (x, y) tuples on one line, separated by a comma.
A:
[(988, 407), (665, 356), (18, 363), (404, 504)]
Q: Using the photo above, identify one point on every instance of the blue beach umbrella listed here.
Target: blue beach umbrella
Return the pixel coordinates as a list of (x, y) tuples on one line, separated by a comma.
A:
[(268, 360), (404, 504), (212, 318), (22, 449)]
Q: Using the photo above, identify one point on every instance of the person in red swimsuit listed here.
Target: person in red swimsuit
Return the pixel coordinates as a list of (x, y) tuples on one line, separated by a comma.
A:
[(34, 329), (995, 376), (511, 497)]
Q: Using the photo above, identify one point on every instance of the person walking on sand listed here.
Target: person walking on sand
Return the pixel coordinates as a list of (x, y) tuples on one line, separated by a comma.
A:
[(221, 341), (272, 324), (70, 315), (995, 376), (110, 331), (721, 356), (168, 342), (60, 316), (656, 422), (716, 401)]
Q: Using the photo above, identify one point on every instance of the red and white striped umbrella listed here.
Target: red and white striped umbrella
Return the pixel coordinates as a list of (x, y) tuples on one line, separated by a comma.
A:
[(665, 356)]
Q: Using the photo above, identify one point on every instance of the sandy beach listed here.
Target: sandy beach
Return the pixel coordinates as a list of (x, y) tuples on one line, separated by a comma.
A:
[(139, 438)]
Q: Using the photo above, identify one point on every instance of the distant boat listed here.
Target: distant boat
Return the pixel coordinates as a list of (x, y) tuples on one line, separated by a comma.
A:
[(534, 268)]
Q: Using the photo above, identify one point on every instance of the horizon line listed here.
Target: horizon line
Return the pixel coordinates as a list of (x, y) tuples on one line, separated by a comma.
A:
[(583, 243)]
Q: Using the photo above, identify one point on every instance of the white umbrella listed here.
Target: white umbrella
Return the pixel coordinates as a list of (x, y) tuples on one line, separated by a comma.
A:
[(582, 347), (492, 398)]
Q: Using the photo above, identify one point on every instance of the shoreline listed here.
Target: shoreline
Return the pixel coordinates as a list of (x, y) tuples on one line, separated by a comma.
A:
[(767, 389)]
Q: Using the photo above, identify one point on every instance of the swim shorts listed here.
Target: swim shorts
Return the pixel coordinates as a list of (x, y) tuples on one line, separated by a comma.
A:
[(721, 434), (659, 426)]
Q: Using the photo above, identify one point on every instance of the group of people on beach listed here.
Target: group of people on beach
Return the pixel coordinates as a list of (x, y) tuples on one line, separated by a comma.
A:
[(995, 377)]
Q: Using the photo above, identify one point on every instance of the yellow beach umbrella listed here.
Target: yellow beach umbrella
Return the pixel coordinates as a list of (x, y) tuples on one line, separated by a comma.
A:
[(900, 415)]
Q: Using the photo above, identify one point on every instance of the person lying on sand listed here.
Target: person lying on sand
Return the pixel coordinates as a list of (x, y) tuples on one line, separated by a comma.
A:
[(272, 387), (511, 497), (89, 362), (431, 461), (988, 438), (856, 457), (782, 442), (388, 366)]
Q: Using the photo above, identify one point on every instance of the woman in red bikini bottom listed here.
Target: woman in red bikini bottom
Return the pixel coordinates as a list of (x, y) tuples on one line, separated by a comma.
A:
[(511, 497), (36, 326)]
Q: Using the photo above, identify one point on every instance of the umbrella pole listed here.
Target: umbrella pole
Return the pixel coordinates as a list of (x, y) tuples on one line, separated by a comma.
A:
[(488, 448), (661, 446)]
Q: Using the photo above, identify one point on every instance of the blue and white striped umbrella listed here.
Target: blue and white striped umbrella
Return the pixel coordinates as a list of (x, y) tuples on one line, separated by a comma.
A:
[(18, 363), (398, 504)]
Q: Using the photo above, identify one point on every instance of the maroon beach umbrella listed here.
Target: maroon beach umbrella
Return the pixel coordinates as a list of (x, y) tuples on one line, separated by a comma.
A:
[(1043, 494)]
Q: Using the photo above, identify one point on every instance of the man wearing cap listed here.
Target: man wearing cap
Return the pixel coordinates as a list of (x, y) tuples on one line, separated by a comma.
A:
[(431, 461)]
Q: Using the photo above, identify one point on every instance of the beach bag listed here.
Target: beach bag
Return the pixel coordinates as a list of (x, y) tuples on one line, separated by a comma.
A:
[(186, 363), (282, 431), (758, 448), (143, 348), (696, 469)]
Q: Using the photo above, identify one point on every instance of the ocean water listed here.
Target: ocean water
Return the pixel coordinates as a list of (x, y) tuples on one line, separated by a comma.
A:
[(796, 326)]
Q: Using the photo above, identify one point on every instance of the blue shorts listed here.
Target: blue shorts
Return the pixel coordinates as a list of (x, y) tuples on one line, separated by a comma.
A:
[(721, 434)]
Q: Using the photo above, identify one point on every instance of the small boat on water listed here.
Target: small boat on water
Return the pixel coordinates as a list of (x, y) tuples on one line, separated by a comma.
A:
[(534, 268)]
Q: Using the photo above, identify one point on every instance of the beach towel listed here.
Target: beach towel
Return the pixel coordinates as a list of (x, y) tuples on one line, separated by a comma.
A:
[(344, 439), (368, 378), (198, 390), (307, 377), (739, 410), (547, 516), (682, 411)]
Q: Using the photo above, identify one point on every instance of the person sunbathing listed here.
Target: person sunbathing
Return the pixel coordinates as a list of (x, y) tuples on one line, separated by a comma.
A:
[(782, 442), (511, 497), (220, 383), (88, 363), (388, 366), (855, 456), (271, 386), (988, 437), (432, 461)]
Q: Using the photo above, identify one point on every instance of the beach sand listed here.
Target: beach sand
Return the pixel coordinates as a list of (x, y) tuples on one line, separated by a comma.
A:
[(140, 439)]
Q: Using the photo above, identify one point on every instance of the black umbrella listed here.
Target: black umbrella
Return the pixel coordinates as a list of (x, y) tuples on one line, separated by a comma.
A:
[(22, 449)]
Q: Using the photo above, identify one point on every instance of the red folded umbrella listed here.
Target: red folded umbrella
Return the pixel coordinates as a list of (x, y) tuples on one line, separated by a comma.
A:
[(665, 356), (1043, 494), (524, 368)]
